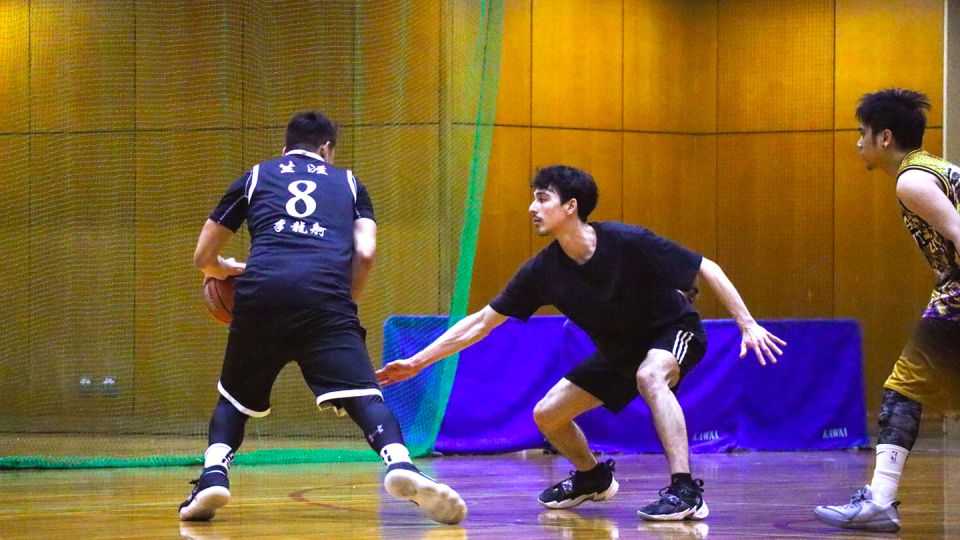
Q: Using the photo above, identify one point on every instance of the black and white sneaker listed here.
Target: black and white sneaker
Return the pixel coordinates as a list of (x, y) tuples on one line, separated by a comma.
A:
[(438, 501), (211, 492), (594, 485), (677, 503)]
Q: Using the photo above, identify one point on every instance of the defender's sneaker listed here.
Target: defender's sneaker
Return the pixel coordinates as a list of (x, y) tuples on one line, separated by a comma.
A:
[(597, 485), (211, 492), (861, 513), (438, 501), (677, 503)]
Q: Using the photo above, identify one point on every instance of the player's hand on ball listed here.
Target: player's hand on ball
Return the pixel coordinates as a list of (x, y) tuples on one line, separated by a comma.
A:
[(234, 267), (226, 268), (763, 344), (396, 371)]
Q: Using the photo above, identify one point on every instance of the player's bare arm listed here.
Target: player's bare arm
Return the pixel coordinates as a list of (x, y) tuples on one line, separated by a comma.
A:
[(364, 250), (764, 345), (206, 257), (920, 192), (461, 335)]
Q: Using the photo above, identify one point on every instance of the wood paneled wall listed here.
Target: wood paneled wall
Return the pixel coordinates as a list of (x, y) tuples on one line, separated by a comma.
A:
[(729, 127), (122, 124)]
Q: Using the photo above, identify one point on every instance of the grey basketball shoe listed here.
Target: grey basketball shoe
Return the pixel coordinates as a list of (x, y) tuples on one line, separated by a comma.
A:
[(861, 513)]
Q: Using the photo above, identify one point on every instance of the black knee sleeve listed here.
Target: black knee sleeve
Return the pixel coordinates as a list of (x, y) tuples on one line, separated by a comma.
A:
[(379, 425), (227, 425), (899, 420)]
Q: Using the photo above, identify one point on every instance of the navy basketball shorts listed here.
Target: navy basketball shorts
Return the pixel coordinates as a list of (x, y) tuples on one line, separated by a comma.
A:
[(615, 383), (331, 354)]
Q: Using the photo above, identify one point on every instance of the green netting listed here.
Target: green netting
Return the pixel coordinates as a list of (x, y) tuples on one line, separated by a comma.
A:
[(257, 457), (125, 122), (422, 432)]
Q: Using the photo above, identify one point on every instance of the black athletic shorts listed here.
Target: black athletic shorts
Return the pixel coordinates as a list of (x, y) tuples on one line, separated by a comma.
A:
[(330, 351), (615, 383)]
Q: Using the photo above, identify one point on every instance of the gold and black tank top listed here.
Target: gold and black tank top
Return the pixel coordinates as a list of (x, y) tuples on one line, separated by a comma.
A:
[(939, 251)]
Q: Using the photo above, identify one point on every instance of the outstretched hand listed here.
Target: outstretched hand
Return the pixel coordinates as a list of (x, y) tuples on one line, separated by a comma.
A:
[(396, 371), (761, 342)]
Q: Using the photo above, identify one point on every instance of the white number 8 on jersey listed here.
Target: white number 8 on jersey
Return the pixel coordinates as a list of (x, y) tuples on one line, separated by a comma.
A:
[(301, 194)]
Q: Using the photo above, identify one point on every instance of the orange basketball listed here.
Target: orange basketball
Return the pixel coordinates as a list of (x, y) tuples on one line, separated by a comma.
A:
[(218, 297)]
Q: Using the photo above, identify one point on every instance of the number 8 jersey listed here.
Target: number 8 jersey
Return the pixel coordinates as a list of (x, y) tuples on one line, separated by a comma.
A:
[(300, 211)]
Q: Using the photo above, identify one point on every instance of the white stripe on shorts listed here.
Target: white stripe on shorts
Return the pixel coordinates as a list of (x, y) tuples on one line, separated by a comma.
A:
[(323, 400), (681, 345), (238, 405)]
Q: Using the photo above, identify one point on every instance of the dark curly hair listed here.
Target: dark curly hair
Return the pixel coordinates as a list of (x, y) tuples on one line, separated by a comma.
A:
[(569, 183)]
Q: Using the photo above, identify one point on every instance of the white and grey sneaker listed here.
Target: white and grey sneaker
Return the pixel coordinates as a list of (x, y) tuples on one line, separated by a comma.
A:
[(438, 501), (861, 513)]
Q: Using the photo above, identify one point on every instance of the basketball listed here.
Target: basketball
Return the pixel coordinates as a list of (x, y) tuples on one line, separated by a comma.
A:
[(218, 297)]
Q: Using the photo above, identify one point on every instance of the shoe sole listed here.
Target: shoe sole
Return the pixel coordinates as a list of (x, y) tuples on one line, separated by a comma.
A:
[(205, 504), (604, 495), (438, 501), (695, 514), (885, 526)]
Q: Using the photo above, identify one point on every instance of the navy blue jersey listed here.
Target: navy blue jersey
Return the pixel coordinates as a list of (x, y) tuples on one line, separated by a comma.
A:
[(622, 297), (300, 211)]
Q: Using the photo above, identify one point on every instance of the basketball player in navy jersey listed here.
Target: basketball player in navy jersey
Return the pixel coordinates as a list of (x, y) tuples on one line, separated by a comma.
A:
[(622, 285), (313, 238)]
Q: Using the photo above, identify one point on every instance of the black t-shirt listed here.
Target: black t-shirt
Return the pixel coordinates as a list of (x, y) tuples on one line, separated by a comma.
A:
[(621, 297), (300, 212)]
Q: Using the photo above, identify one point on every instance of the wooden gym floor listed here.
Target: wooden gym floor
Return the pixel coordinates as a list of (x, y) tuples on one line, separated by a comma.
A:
[(751, 495)]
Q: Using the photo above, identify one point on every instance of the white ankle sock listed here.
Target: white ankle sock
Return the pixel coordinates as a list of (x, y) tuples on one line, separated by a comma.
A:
[(217, 454), (395, 453), (886, 475)]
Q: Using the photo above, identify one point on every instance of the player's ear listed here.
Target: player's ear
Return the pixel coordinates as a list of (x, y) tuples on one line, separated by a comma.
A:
[(326, 150), (284, 151), (571, 205), (886, 138)]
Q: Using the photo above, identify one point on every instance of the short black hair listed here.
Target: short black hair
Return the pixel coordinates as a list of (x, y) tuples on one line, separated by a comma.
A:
[(569, 183), (901, 111), (309, 130)]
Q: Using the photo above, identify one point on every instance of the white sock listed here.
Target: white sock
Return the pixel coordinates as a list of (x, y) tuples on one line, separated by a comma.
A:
[(395, 453), (217, 454), (886, 476)]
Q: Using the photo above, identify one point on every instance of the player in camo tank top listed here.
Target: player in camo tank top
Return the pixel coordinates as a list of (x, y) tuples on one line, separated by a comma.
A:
[(938, 249), (927, 374)]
